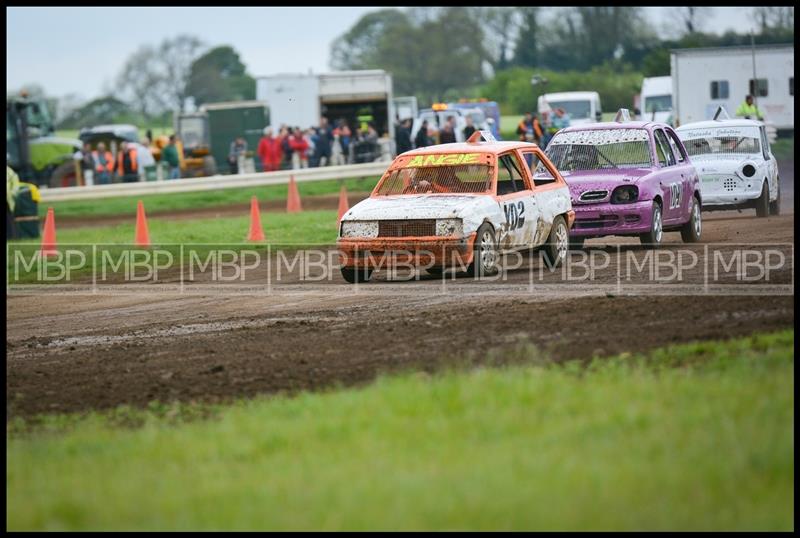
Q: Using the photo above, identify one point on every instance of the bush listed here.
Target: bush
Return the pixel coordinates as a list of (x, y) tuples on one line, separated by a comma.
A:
[(513, 90)]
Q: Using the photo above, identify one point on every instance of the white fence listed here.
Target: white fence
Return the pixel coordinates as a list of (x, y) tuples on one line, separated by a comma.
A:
[(211, 183)]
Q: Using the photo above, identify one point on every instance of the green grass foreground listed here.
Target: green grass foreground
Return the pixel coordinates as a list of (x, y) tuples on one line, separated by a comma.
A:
[(126, 205), (696, 436)]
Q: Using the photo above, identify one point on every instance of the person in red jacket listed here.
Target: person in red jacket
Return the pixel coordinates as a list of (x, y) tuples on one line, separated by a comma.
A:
[(299, 146), (270, 151)]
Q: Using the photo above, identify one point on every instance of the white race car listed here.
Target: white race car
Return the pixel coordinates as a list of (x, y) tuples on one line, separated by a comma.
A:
[(459, 204), (736, 167)]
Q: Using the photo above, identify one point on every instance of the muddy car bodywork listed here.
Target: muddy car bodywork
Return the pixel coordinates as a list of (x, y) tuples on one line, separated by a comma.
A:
[(735, 163), (616, 194), (439, 221)]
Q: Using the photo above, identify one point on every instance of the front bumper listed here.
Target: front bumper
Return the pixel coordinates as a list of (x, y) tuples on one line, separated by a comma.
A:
[(729, 189), (384, 252), (596, 220)]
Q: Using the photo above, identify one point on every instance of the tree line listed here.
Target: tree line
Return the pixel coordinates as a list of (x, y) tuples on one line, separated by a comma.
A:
[(156, 80), (440, 54)]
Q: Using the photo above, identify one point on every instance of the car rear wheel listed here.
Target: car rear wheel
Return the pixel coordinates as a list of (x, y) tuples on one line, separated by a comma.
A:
[(762, 202), (555, 250), (690, 232), (354, 275), (652, 239), (775, 207), (484, 259)]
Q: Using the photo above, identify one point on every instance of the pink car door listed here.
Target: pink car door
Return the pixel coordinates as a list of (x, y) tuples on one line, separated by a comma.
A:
[(671, 178), (687, 172)]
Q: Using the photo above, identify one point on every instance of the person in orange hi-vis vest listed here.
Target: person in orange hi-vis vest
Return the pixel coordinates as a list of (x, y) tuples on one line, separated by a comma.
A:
[(127, 167), (103, 164)]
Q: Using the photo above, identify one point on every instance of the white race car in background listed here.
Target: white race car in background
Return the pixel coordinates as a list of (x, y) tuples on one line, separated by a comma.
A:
[(736, 166)]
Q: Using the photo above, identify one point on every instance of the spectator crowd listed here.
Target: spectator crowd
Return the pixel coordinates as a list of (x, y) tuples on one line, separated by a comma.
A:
[(293, 148)]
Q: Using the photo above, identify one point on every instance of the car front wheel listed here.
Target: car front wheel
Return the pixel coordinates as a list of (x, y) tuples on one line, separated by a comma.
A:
[(484, 259), (555, 250), (652, 239), (354, 275), (576, 243), (762, 202), (775, 207), (690, 232)]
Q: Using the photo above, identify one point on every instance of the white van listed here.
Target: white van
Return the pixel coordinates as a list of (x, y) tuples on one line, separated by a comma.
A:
[(438, 115), (656, 100), (582, 107)]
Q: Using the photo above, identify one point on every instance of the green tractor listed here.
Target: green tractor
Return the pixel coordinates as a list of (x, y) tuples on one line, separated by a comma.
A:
[(32, 150)]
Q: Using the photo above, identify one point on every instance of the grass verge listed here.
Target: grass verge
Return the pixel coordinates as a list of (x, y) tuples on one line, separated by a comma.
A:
[(284, 230), (696, 436)]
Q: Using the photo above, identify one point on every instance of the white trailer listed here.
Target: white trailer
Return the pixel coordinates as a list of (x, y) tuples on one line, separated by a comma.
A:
[(357, 97), (656, 99), (705, 78)]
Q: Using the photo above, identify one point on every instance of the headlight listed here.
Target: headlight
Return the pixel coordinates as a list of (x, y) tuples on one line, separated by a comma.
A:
[(625, 194), (449, 227), (359, 228), (748, 170)]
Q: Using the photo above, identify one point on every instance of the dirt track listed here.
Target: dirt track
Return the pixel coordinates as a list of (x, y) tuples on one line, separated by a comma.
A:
[(70, 352)]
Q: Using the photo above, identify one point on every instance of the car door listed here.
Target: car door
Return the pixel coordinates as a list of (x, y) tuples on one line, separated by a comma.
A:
[(550, 193), (669, 179), (689, 178), (517, 202)]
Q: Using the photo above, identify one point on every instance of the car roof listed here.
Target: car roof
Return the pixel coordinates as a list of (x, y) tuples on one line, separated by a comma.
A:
[(494, 148), (616, 125), (709, 124)]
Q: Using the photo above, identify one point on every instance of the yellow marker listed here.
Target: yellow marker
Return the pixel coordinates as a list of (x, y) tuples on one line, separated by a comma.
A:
[(442, 160)]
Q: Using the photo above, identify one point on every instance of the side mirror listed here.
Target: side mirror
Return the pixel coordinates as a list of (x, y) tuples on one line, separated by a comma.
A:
[(598, 115), (637, 111)]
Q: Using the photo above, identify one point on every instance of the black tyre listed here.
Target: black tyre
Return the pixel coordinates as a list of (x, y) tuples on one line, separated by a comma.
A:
[(64, 176), (209, 166), (652, 239), (576, 243), (355, 275), (762, 202), (555, 250), (690, 232), (775, 207), (484, 260), (436, 270)]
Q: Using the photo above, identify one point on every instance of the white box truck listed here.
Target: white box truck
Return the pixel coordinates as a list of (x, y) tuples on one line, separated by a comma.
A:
[(357, 97), (582, 107), (706, 78), (656, 99)]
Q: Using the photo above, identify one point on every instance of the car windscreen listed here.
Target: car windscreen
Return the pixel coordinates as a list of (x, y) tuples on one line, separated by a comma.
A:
[(456, 179), (599, 149), (577, 110), (721, 141)]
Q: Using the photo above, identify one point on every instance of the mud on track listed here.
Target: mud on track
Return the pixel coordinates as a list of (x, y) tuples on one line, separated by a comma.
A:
[(77, 352)]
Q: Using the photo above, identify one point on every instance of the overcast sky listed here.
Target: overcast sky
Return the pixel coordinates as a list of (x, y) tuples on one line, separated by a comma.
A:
[(80, 50)]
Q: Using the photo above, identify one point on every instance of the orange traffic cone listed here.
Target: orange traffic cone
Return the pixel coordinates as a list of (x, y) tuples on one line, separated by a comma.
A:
[(343, 205), (49, 235), (256, 231), (293, 200), (142, 234)]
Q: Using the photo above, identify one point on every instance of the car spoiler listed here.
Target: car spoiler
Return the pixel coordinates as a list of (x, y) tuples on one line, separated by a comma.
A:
[(721, 112)]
